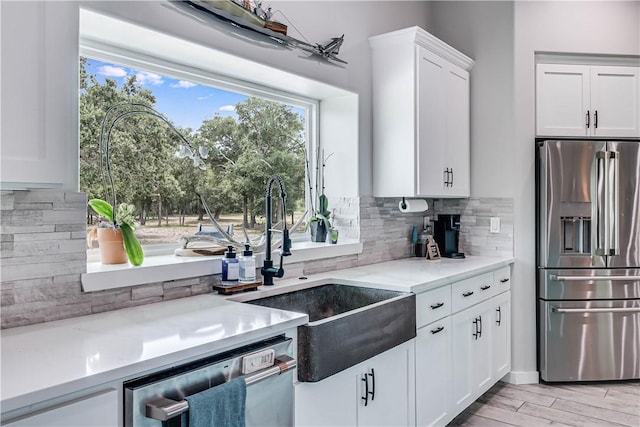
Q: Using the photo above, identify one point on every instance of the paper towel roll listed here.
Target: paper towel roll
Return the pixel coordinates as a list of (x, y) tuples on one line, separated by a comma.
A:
[(413, 205)]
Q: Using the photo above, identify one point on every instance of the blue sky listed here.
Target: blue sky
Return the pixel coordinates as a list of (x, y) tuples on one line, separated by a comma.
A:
[(185, 103)]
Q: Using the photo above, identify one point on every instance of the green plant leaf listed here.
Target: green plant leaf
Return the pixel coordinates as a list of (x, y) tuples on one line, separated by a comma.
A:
[(132, 245), (324, 205), (102, 208), (323, 218)]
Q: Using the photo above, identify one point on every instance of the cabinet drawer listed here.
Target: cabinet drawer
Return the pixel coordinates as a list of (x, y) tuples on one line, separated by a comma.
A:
[(468, 292), (433, 305), (502, 279)]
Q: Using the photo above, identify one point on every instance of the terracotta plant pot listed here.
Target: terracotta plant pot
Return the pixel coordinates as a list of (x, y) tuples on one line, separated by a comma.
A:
[(111, 246)]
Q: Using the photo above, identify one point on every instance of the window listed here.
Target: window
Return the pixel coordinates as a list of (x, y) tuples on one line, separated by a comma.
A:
[(331, 121), (250, 136)]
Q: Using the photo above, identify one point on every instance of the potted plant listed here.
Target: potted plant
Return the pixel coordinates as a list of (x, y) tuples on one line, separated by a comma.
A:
[(115, 237), (319, 223)]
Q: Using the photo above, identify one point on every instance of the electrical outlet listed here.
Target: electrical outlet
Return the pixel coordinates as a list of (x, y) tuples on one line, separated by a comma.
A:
[(495, 224)]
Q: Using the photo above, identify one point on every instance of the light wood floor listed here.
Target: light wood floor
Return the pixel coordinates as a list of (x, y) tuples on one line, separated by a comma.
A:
[(609, 404)]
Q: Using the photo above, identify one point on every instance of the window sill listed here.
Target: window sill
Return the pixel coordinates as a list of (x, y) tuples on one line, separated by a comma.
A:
[(162, 268)]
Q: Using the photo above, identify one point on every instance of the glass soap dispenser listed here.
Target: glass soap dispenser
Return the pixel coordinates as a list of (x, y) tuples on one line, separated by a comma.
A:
[(247, 262)]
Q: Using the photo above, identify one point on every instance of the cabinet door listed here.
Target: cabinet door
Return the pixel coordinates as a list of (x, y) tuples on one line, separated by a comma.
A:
[(457, 111), (501, 335), (386, 379), (471, 348), (615, 99), (100, 409), (330, 402), (562, 100), (481, 368), (431, 85), (433, 374), (39, 118)]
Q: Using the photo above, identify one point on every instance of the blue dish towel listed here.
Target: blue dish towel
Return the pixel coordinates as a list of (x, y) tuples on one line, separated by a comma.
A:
[(220, 406)]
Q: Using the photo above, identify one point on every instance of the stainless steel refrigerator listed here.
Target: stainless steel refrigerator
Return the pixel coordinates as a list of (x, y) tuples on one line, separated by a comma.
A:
[(588, 258)]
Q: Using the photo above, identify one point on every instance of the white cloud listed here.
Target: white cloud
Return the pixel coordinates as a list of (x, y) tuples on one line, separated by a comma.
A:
[(227, 108), (202, 98), (111, 71), (183, 84), (143, 78)]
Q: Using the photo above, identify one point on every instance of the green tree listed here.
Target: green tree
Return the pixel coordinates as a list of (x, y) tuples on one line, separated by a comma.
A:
[(272, 143), (266, 139)]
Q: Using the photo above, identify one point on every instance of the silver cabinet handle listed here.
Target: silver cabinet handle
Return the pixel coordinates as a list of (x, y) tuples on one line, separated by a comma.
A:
[(594, 278), (163, 409), (596, 310)]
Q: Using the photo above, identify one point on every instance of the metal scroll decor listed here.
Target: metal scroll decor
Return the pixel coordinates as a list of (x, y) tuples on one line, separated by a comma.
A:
[(250, 15)]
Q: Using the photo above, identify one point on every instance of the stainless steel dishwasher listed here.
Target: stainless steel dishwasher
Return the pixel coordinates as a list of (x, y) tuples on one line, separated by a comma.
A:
[(267, 367)]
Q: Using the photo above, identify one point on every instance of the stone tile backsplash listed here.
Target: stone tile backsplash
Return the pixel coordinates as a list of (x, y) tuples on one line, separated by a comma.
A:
[(43, 250)]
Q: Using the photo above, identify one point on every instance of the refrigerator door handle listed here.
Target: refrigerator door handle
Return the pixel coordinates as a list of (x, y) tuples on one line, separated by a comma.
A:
[(594, 278), (596, 310), (600, 224), (613, 205)]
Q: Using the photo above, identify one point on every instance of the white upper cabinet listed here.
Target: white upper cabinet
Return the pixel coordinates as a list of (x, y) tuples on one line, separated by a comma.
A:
[(420, 116), (39, 86), (587, 100)]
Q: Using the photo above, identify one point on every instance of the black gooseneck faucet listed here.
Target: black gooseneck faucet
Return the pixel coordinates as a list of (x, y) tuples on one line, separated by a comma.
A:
[(268, 270)]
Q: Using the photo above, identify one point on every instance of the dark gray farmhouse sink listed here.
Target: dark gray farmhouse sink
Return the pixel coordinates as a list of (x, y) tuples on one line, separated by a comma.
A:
[(347, 325)]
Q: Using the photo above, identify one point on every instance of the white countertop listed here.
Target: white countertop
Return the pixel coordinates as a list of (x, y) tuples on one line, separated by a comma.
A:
[(408, 275), (418, 274), (43, 361)]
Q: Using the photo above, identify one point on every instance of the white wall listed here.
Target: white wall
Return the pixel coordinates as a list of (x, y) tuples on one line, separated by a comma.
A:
[(318, 21), (484, 32), (502, 37), (582, 27)]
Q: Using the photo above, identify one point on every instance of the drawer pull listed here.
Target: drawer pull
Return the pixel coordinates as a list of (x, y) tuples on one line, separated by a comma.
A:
[(485, 287), (504, 280), (437, 330), (436, 305), (467, 294)]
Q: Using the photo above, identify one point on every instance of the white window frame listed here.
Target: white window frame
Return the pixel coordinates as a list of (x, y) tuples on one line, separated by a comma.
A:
[(163, 265)]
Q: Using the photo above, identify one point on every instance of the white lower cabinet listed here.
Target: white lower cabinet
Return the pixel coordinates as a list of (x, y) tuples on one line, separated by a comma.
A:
[(433, 373), (462, 348), (383, 388), (98, 409), (461, 355), (471, 346), (373, 392), (501, 335)]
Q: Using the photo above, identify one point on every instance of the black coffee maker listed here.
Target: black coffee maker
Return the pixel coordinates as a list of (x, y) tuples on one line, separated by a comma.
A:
[(446, 232)]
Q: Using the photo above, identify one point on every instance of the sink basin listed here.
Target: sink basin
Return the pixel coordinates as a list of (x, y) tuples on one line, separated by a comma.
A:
[(347, 325)]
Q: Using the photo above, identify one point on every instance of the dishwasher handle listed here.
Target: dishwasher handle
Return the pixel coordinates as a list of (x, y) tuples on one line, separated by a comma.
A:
[(163, 409), (596, 310)]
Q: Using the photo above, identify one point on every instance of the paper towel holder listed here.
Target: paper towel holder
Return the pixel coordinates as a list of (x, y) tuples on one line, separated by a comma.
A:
[(412, 205)]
